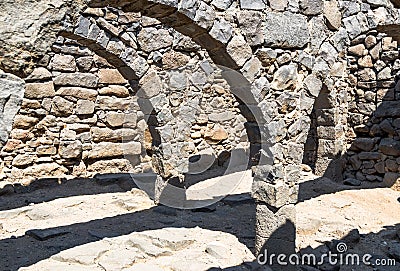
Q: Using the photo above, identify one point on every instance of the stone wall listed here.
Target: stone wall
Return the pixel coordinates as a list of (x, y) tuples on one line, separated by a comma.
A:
[(294, 74), (290, 54), (80, 116), (373, 109)]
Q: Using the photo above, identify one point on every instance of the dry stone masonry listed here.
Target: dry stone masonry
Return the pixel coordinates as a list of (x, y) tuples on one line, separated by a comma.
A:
[(128, 86)]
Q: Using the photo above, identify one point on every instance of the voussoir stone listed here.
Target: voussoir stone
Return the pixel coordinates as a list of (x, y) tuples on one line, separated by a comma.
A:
[(152, 39)]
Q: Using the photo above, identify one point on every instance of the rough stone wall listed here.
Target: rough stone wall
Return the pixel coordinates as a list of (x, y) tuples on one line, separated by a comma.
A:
[(290, 53), (80, 116), (28, 28), (373, 109)]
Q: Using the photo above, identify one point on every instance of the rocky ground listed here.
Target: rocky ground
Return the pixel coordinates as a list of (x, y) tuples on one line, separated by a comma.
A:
[(108, 224)]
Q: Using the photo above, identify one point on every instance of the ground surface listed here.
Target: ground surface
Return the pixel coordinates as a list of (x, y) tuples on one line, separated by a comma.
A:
[(108, 224)]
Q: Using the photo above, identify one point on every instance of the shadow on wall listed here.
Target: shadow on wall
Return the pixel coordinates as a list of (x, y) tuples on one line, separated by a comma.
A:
[(373, 123)]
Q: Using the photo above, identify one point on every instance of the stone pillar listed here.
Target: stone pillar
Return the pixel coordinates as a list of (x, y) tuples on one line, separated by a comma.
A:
[(276, 192), (331, 111)]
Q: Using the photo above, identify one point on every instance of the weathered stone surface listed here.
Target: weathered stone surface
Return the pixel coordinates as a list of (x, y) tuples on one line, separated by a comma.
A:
[(77, 92), (152, 39), (365, 144), (266, 56), (111, 76), (76, 79), (388, 109), (150, 85), (221, 4), (39, 73), (61, 106), (216, 135), (332, 14), (46, 170), (115, 119), (24, 122), (84, 107), (178, 80), (313, 85), (115, 90), (110, 150), (24, 160), (286, 30), (108, 135), (174, 60), (285, 77), (278, 4), (111, 166), (251, 24), (26, 33), (390, 146), (239, 50), (112, 103), (63, 63), (221, 31), (251, 69), (311, 7), (46, 150), (11, 94), (253, 4), (39, 90), (70, 150)]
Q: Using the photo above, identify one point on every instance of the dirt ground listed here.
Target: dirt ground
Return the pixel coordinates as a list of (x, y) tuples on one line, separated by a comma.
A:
[(109, 224)]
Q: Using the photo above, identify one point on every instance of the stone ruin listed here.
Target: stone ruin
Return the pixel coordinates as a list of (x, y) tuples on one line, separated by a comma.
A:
[(136, 86)]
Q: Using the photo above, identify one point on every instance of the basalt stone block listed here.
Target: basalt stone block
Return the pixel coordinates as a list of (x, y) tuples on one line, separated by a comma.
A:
[(390, 146)]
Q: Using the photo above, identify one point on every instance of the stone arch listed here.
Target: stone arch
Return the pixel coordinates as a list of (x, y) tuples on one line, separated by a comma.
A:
[(194, 20), (90, 34)]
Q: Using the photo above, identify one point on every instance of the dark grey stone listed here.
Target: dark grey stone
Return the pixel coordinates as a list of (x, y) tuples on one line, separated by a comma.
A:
[(46, 234)]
